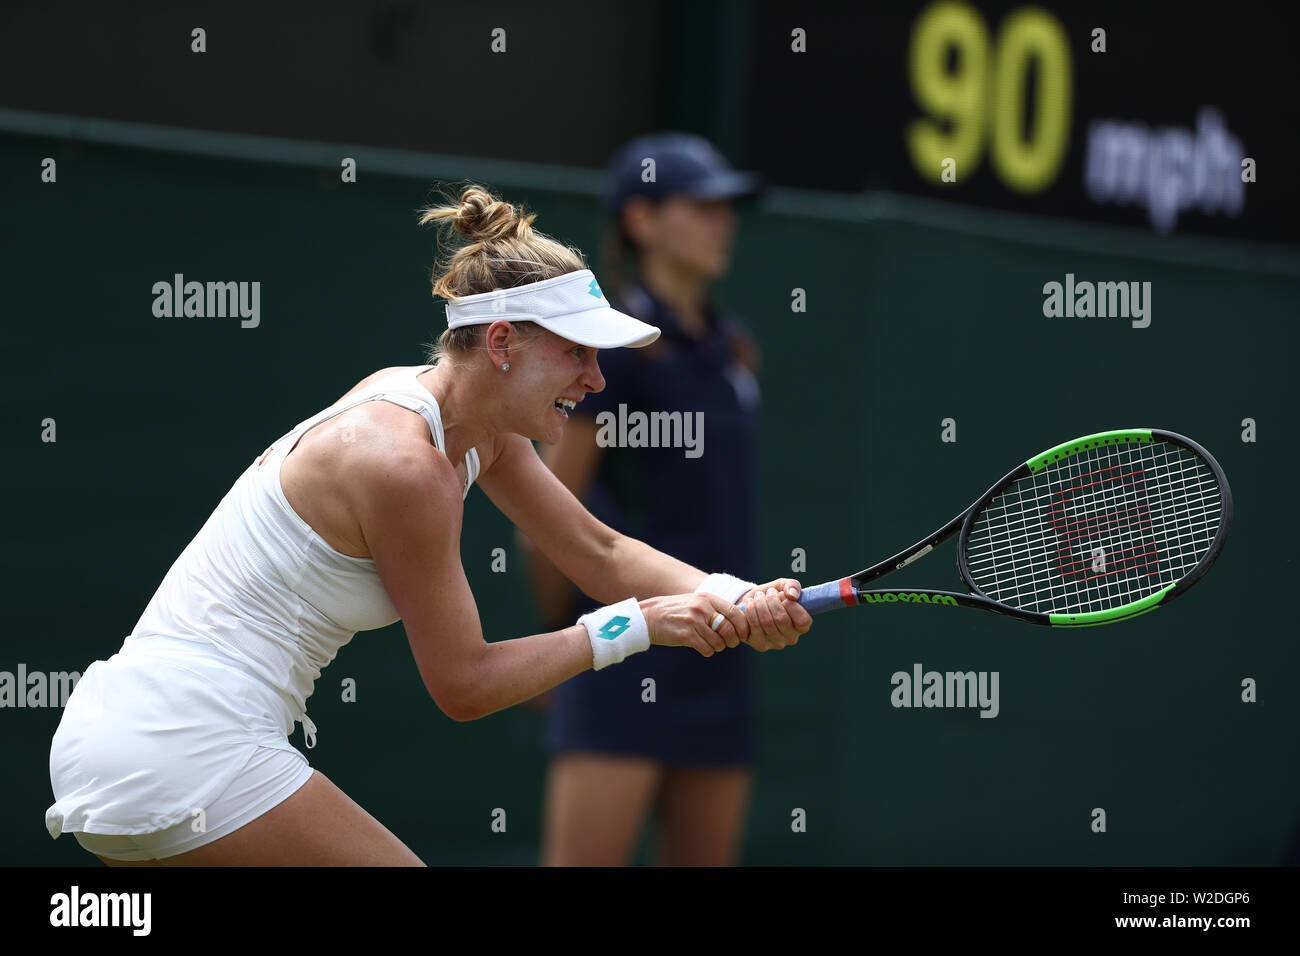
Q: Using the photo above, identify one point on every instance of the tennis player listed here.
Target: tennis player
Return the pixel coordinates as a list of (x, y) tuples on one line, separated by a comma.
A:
[(685, 758), (175, 750)]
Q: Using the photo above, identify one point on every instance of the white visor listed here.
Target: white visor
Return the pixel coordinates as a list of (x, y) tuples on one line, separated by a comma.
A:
[(572, 306)]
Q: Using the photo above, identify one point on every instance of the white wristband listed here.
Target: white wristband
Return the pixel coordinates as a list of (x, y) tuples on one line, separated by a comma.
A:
[(616, 631), (725, 586)]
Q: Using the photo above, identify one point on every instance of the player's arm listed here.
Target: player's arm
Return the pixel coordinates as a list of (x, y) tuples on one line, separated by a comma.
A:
[(607, 565), (573, 460), (410, 508)]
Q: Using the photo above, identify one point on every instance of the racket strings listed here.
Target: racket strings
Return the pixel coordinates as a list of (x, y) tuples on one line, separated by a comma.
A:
[(1098, 521), (1096, 530)]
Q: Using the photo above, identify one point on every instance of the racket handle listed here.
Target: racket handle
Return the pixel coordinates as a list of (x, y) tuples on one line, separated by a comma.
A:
[(822, 597), (819, 597)]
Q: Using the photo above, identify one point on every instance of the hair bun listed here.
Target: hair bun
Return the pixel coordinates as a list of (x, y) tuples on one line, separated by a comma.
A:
[(483, 218), (497, 247)]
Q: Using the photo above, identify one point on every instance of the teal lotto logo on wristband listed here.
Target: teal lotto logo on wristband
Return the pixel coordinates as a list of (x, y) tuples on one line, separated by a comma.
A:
[(614, 627)]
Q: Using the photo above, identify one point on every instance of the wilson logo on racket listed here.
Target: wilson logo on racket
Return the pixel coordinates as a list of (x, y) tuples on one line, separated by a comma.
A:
[(614, 627), (912, 597)]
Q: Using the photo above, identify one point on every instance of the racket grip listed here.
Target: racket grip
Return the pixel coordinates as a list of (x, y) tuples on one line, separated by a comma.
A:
[(822, 597), (818, 598)]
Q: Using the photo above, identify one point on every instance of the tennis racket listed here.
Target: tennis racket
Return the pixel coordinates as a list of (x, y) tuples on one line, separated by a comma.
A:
[(1097, 530)]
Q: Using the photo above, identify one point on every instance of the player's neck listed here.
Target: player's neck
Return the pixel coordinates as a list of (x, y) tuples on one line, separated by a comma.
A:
[(460, 433)]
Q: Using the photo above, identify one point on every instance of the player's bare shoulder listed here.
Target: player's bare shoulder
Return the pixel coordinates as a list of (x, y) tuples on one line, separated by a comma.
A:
[(374, 428), (342, 462), (373, 377), (379, 437)]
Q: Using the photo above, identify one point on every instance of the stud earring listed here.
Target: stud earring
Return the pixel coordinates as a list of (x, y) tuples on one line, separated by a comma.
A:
[(505, 366)]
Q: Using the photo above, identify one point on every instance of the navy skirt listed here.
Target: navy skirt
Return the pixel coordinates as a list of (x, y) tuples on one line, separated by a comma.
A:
[(701, 713)]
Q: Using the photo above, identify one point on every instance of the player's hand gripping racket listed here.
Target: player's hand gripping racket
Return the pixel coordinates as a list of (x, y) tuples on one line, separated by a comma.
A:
[(1096, 530)]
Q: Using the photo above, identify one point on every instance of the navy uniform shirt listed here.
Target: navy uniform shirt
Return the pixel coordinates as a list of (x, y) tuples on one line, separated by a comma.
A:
[(698, 504)]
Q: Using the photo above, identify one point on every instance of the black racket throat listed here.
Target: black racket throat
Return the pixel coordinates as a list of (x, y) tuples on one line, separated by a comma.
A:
[(861, 581), (961, 523), (907, 556)]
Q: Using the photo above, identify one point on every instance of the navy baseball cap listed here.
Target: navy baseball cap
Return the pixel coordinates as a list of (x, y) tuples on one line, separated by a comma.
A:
[(684, 165)]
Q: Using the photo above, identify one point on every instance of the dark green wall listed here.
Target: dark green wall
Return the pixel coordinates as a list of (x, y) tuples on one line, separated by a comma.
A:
[(906, 324)]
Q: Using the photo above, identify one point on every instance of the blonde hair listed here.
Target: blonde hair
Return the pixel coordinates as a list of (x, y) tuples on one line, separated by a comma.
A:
[(500, 250)]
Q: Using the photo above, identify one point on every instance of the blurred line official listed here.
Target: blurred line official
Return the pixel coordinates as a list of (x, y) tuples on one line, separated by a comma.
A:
[(617, 758)]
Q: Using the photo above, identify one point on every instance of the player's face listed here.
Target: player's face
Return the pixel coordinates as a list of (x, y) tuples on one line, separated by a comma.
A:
[(697, 234), (558, 372)]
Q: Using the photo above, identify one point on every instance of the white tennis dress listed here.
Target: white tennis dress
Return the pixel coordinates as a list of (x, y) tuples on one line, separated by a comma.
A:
[(220, 665)]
